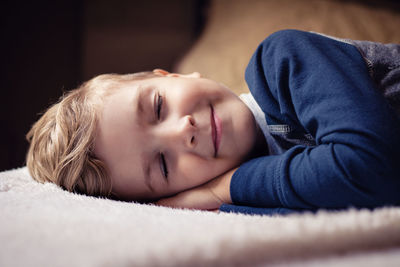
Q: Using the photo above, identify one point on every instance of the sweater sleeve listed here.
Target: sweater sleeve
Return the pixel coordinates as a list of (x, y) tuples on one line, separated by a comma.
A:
[(260, 211), (322, 87)]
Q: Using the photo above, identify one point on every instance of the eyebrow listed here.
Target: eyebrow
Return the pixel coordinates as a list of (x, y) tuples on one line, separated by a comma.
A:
[(145, 162), (139, 101)]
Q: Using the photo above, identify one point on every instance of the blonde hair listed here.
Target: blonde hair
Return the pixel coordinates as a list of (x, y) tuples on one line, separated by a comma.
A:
[(61, 141)]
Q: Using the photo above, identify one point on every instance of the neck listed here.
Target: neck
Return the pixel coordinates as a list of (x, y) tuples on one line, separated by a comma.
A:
[(260, 147)]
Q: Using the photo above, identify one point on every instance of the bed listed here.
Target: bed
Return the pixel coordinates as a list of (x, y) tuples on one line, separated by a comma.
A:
[(43, 225)]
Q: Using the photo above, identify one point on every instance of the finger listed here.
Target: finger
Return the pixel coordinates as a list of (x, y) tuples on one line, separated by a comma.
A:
[(214, 210), (167, 202)]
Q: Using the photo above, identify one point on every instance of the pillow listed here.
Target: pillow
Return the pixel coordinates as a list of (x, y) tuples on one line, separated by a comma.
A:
[(235, 28)]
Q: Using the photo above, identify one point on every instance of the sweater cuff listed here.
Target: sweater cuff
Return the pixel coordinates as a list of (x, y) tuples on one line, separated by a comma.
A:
[(258, 211), (256, 183)]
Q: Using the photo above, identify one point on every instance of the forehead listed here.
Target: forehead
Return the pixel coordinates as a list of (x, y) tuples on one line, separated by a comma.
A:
[(116, 130)]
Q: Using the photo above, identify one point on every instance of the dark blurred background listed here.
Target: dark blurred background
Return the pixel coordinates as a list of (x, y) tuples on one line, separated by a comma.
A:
[(50, 47)]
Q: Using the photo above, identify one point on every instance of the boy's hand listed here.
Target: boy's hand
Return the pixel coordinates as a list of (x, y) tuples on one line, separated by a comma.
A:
[(209, 196)]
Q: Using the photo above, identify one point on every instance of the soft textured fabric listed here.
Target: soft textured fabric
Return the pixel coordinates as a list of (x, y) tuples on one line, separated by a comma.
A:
[(383, 62), (42, 225), (341, 136)]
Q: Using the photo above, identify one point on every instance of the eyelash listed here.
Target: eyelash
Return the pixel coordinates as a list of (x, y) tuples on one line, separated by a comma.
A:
[(159, 105), (163, 166), (163, 163)]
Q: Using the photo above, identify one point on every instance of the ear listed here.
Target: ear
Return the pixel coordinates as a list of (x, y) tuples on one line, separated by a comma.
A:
[(165, 73), (161, 72)]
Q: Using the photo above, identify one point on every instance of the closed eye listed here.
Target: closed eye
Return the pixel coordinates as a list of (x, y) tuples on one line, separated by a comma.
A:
[(159, 105), (163, 166)]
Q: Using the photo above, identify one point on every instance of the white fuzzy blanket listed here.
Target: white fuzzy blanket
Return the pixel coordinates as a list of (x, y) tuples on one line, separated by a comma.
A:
[(42, 225)]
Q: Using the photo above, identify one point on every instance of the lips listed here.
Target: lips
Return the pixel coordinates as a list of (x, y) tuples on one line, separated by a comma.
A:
[(216, 129)]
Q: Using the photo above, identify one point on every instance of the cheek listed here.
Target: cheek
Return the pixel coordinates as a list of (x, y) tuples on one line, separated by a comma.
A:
[(198, 92), (188, 99), (193, 170)]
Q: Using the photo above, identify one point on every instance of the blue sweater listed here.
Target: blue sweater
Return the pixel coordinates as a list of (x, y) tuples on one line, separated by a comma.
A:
[(318, 89)]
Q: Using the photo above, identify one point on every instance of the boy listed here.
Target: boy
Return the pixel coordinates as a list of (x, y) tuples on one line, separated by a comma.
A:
[(317, 132)]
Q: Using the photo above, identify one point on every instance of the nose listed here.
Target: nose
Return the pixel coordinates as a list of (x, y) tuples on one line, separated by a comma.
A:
[(181, 133)]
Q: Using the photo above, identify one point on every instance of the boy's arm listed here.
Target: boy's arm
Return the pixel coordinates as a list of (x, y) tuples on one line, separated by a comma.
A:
[(209, 196), (215, 195), (322, 87)]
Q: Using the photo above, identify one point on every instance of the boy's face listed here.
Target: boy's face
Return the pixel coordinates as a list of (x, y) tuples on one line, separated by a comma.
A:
[(164, 135)]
